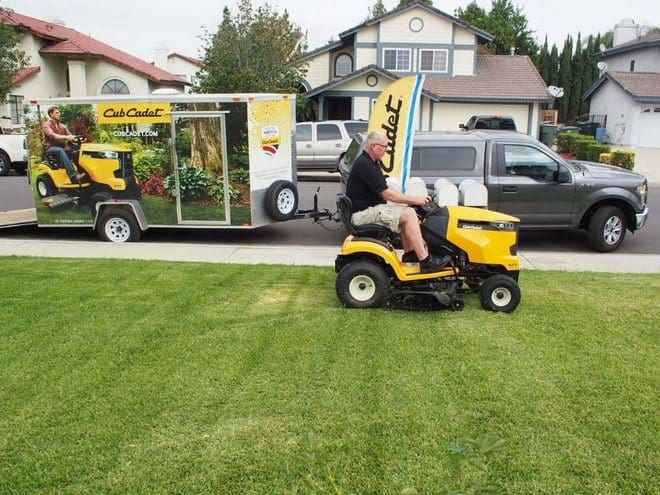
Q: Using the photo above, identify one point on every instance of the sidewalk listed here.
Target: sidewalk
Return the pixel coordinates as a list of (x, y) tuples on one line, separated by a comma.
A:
[(299, 255)]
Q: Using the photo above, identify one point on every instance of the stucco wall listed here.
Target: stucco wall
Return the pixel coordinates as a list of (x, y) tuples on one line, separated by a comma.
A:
[(464, 37), (317, 70), (434, 29), (610, 100), (646, 60), (367, 35), (365, 56), (463, 63)]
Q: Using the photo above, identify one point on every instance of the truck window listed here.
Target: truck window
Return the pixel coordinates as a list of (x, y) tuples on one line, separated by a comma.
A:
[(303, 132), (442, 160), (354, 127), (328, 132), (530, 162)]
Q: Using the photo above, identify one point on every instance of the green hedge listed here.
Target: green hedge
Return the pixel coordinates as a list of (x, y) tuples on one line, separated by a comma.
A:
[(595, 150), (581, 146), (564, 141), (623, 159)]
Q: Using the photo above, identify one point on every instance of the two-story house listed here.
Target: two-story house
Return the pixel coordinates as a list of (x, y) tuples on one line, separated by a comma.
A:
[(345, 77), (65, 62), (628, 91)]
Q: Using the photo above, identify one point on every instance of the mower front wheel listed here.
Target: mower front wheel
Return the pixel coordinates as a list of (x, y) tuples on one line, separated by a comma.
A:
[(118, 225), (45, 186), (362, 284), (500, 293)]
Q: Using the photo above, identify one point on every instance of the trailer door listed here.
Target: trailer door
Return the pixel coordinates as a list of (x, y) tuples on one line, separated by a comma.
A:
[(199, 151)]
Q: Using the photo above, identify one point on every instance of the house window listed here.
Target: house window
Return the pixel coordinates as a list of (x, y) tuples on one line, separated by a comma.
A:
[(16, 109), (396, 59), (343, 65), (433, 60), (114, 87), (632, 66)]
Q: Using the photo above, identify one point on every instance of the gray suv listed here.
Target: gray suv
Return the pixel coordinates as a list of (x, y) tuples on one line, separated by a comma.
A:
[(319, 145)]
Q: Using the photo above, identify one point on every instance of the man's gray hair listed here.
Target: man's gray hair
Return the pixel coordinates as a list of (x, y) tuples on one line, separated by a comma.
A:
[(372, 137)]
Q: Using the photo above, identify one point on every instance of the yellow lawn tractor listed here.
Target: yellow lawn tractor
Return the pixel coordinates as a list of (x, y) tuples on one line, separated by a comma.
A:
[(108, 174), (481, 244)]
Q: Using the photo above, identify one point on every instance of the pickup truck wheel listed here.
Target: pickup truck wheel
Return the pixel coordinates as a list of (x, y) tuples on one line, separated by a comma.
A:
[(118, 226), (607, 229), (281, 200), (500, 293), (5, 164), (362, 284)]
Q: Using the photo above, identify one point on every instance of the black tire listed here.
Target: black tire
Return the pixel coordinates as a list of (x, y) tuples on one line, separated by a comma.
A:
[(118, 226), (97, 198), (362, 284), (281, 200), (500, 293), (45, 186), (5, 164), (607, 229)]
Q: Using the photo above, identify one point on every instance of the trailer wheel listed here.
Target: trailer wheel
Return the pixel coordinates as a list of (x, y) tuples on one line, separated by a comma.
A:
[(362, 284), (118, 225), (281, 200), (45, 186), (607, 229), (5, 164), (500, 293)]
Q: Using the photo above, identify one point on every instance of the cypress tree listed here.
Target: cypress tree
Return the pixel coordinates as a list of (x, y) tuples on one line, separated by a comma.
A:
[(577, 65), (565, 69)]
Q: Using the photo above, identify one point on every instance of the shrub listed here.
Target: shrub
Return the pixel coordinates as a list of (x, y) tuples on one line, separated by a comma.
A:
[(240, 175), (154, 186), (193, 183), (581, 146), (605, 158), (154, 161), (564, 141), (595, 150), (216, 191), (623, 159)]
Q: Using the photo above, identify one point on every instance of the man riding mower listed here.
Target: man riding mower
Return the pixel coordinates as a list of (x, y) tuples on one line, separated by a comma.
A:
[(481, 244), (105, 172)]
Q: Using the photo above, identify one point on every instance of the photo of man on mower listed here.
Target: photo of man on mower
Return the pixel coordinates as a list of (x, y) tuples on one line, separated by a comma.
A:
[(56, 138)]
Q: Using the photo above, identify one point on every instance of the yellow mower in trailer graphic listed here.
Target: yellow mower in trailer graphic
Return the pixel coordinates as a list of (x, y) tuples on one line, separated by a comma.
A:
[(108, 175)]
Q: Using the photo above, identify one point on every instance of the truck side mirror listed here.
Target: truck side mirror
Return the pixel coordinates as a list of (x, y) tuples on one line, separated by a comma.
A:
[(563, 175), (463, 126)]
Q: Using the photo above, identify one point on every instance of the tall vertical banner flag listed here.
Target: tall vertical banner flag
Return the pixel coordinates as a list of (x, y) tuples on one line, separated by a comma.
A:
[(394, 115)]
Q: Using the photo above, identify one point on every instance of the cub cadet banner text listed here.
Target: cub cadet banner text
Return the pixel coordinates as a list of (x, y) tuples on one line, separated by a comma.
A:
[(394, 115), (134, 113)]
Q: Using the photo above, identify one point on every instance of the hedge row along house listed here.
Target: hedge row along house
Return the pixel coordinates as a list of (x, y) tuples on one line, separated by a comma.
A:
[(345, 77)]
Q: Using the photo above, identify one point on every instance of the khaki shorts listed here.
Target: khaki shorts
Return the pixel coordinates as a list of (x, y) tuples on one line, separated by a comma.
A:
[(387, 215)]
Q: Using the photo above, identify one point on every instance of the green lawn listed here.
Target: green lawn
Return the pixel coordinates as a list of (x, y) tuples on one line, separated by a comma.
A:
[(135, 377)]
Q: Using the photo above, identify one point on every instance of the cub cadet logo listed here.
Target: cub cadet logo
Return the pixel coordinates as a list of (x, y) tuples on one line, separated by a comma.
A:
[(391, 129), (134, 113), (270, 139)]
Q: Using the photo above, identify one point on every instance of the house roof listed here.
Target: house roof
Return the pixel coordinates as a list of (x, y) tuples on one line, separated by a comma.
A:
[(411, 5), (61, 40), (501, 78), (416, 3), (192, 60), (646, 41), (643, 87), (369, 69), (25, 74)]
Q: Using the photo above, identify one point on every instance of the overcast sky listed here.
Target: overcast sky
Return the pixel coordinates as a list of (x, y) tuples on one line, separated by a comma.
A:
[(138, 26)]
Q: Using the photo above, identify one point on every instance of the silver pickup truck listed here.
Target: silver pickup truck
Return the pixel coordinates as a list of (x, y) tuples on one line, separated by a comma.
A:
[(13, 153), (528, 180)]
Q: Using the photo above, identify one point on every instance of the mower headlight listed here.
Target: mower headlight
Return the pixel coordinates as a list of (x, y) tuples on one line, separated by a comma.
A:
[(504, 226)]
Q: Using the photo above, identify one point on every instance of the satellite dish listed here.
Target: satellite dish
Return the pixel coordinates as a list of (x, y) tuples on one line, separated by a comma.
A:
[(555, 91), (165, 91), (601, 66), (602, 47)]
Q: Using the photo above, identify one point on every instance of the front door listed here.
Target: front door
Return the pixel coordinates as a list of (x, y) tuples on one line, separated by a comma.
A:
[(199, 148)]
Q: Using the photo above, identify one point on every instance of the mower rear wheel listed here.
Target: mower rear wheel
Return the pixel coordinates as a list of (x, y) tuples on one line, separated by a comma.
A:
[(362, 284), (500, 293), (45, 186), (118, 226)]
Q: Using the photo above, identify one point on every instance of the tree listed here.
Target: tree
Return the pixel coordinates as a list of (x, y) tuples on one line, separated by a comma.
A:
[(253, 51), (11, 58), (377, 10), (508, 24), (406, 2), (565, 74)]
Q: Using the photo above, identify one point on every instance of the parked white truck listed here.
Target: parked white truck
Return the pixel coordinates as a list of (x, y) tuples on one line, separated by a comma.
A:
[(13, 153)]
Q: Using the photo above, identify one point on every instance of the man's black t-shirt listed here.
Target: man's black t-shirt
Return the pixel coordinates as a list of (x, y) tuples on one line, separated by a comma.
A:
[(365, 183)]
